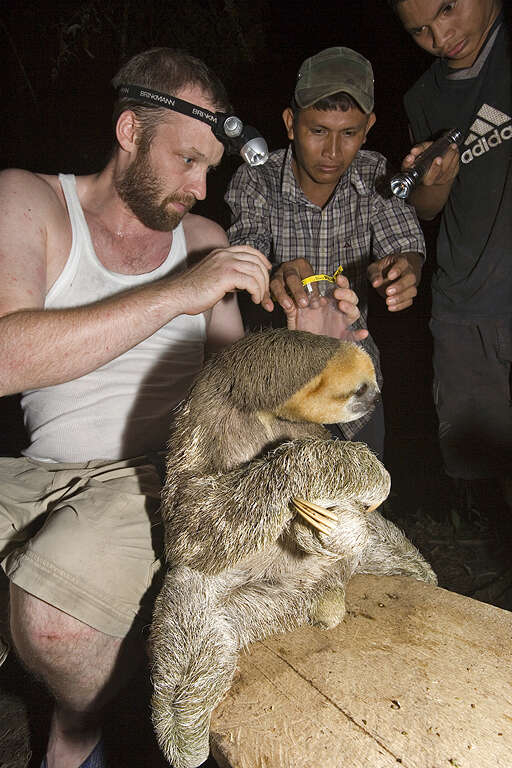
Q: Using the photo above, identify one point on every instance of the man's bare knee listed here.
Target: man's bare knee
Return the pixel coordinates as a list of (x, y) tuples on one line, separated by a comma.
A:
[(76, 662), (36, 624)]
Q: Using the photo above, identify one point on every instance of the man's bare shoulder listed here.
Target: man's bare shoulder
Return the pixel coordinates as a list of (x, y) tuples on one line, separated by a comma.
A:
[(34, 191), (35, 236), (200, 226), (202, 235)]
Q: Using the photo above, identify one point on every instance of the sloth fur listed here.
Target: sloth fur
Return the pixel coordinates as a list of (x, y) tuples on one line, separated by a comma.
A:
[(241, 564)]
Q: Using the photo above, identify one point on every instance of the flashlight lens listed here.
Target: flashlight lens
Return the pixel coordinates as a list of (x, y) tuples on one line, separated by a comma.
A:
[(233, 126)]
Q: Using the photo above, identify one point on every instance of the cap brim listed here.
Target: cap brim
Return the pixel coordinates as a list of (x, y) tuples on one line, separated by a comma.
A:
[(309, 96)]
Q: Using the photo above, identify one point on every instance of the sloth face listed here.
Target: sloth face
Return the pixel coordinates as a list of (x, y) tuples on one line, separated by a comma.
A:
[(345, 390)]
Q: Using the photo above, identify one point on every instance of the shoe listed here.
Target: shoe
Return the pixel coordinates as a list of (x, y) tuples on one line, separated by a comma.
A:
[(95, 760)]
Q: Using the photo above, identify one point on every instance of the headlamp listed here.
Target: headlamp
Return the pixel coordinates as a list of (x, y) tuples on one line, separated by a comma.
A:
[(237, 137)]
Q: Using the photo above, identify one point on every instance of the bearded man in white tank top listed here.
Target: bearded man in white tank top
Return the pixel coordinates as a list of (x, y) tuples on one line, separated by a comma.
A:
[(109, 292)]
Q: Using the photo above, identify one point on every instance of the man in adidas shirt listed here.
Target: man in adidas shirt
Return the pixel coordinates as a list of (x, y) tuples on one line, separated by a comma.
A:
[(469, 87)]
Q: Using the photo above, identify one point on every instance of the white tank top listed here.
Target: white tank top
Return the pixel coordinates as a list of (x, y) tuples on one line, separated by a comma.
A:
[(123, 409)]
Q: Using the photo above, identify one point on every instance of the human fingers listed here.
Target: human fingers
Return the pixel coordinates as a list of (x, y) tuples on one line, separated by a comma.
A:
[(227, 270), (402, 270), (246, 251), (413, 154), (443, 168), (375, 272), (249, 255), (360, 335), (342, 281), (343, 292), (254, 264), (301, 267), (251, 280), (391, 268), (278, 291), (433, 174), (246, 259), (294, 273), (395, 278), (394, 268), (291, 318), (402, 302), (450, 165), (400, 293), (347, 303), (288, 280)]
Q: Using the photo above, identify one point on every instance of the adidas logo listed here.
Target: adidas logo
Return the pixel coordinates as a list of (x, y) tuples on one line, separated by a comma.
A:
[(488, 131)]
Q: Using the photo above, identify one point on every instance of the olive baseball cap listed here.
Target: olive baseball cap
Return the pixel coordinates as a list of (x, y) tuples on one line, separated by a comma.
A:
[(334, 70)]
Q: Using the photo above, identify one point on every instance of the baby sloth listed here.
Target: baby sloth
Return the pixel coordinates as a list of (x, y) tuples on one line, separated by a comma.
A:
[(266, 518)]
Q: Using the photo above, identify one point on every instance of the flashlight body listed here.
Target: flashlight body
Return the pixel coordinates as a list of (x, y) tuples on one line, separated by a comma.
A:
[(403, 183)]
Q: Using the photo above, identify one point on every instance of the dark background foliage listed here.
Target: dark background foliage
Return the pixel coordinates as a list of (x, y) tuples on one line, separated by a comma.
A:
[(59, 57)]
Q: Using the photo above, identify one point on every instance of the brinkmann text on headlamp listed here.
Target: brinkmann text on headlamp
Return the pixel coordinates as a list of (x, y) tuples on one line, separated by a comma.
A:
[(229, 129)]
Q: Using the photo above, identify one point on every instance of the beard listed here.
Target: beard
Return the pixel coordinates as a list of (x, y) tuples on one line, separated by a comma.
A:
[(139, 188)]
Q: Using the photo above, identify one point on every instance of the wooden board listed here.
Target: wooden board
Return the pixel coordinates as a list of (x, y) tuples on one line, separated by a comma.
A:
[(414, 676)]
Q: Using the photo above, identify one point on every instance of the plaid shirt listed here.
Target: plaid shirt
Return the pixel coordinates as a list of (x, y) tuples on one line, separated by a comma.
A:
[(357, 225)]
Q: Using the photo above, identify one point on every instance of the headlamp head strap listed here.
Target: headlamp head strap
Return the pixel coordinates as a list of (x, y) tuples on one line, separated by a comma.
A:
[(143, 95), (227, 128)]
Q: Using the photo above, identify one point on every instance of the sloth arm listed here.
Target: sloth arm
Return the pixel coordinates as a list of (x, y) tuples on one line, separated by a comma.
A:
[(216, 520)]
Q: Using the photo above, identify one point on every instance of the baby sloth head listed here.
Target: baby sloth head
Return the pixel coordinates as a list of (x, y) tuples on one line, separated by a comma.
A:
[(343, 391)]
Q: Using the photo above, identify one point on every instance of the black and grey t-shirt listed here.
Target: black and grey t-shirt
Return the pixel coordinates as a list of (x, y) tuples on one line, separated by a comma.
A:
[(474, 248)]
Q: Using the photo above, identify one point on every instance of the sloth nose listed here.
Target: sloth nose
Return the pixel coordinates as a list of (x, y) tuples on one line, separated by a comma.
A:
[(371, 397)]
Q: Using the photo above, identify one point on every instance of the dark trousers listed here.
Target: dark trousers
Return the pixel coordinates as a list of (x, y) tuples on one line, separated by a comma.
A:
[(473, 396)]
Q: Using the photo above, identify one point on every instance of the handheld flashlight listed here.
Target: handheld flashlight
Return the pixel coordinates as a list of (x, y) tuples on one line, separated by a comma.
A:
[(403, 183)]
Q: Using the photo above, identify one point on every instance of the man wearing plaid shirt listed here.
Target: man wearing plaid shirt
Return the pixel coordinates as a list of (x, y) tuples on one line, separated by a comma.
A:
[(319, 204)]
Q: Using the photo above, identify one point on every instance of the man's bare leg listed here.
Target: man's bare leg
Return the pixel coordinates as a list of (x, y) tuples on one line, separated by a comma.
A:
[(82, 668)]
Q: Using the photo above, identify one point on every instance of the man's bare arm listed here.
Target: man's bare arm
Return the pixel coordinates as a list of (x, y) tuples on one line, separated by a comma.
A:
[(44, 347), (224, 321)]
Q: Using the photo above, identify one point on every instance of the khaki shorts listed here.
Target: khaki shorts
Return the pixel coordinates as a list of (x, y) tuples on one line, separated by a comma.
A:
[(85, 538)]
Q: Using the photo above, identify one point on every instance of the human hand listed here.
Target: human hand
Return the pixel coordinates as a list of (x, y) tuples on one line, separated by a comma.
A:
[(333, 319), (224, 270), (286, 280), (347, 304), (395, 278), (443, 168)]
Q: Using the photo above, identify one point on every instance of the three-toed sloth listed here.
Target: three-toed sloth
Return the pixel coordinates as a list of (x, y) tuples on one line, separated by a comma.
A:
[(266, 518)]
